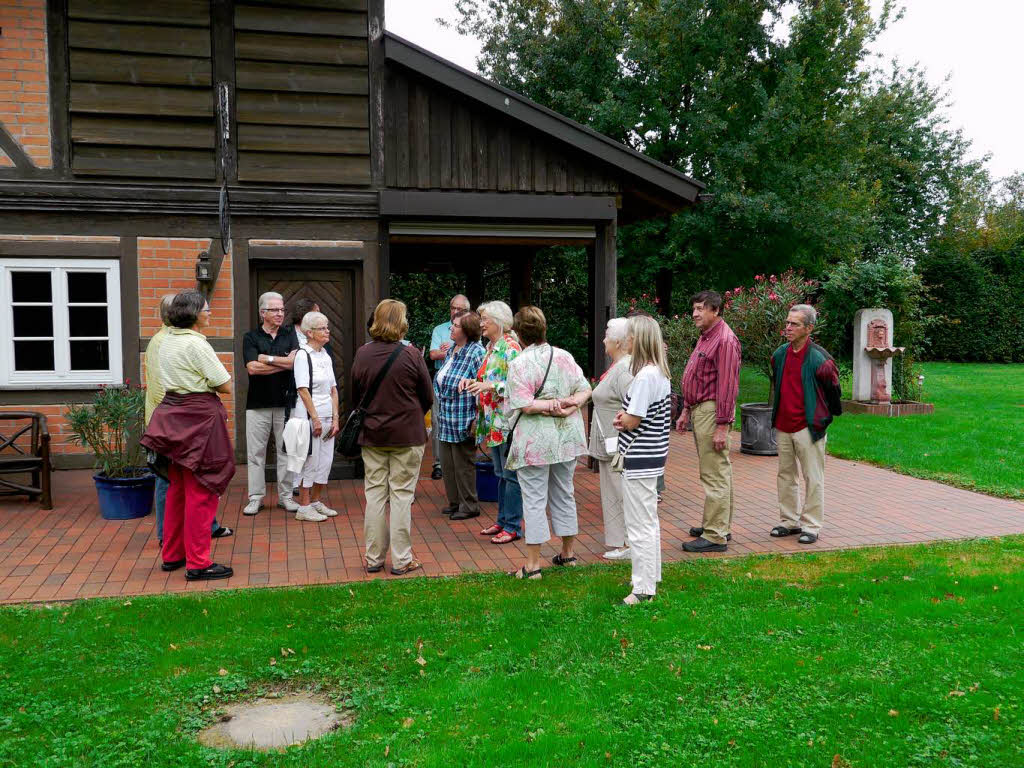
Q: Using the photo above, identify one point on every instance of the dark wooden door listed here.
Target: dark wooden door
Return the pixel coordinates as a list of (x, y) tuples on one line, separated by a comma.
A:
[(334, 291)]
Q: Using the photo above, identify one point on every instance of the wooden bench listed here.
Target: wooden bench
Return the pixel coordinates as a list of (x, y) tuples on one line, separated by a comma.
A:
[(33, 459)]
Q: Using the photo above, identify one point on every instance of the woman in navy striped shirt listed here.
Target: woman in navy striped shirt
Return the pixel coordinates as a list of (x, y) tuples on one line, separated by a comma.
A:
[(643, 425)]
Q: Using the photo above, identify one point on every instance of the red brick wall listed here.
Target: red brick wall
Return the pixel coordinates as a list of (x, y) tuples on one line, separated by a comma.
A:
[(60, 435), (24, 98), (168, 265)]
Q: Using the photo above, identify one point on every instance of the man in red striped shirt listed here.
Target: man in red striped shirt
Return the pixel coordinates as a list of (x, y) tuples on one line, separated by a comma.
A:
[(710, 385)]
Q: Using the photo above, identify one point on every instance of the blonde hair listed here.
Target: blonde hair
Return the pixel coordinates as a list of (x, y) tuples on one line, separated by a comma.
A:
[(648, 345), (390, 321)]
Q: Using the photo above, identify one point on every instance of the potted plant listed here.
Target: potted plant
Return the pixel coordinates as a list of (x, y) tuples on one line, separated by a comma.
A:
[(110, 427), (758, 314)]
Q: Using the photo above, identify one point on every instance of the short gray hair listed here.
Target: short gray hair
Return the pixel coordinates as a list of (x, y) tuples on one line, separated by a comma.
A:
[(810, 313), (165, 307), (311, 319), (618, 329), (499, 312), (266, 297)]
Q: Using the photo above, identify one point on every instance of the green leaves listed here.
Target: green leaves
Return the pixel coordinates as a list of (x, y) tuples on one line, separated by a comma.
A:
[(111, 427)]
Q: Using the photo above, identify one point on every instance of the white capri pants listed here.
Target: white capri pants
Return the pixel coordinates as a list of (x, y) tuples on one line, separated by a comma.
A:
[(548, 486), (317, 468), (640, 510)]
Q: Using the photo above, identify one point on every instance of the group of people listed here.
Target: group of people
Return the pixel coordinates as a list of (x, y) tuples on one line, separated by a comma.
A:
[(499, 388)]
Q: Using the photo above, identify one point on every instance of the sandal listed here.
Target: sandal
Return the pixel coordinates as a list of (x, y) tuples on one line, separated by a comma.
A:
[(780, 530), (504, 538), (412, 565), (559, 560), (808, 538), (221, 533), (522, 573), (491, 531)]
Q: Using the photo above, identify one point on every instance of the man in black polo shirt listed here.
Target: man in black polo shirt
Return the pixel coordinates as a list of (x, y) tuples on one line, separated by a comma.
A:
[(269, 352)]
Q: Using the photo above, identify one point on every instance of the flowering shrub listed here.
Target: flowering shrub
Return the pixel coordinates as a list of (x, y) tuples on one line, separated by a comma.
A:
[(758, 314), (111, 427), (681, 336)]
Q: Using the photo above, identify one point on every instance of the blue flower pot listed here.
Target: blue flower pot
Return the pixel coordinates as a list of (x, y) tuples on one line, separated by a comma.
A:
[(125, 498)]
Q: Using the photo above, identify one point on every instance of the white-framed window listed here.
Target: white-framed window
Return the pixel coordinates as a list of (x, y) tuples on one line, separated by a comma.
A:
[(64, 317)]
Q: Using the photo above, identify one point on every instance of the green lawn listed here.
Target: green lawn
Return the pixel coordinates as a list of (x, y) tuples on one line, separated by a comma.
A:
[(973, 440), (886, 657)]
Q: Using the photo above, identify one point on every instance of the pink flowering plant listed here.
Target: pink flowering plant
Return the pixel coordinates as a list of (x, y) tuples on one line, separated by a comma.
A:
[(758, 314)]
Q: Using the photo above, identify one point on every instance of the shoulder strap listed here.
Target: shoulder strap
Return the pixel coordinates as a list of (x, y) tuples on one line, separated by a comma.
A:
[(537, 392), (372, 391)]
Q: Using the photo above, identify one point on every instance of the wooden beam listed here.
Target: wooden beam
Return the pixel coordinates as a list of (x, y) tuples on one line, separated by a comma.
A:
[(222, 34), (486, 205), (603, 294), (57, 50)]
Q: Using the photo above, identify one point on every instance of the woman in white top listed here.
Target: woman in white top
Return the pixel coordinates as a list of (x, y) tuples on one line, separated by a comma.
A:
[(608, 396), (319, 400), (644, 424)]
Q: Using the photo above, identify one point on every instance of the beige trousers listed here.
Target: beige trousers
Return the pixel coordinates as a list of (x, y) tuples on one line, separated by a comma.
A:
[(611, 505), (715, 473), (390, 478), (799, 449)]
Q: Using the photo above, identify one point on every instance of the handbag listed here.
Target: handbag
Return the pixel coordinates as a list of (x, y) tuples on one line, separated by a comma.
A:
[(348, 439), (508, 440)]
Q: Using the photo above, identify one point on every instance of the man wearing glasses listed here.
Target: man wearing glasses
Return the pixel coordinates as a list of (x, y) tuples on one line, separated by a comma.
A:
[(269, 352), (799, 366), (440, 343)]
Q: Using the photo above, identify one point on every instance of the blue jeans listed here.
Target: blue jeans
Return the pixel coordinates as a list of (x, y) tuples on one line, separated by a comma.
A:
[(161, 502), (510, 497)]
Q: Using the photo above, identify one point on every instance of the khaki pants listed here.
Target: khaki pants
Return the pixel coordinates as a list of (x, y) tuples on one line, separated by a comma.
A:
[(259, 423), (460, 475), (390, 478), (640, 505), (611, 505), (799, 448), (715, 473)]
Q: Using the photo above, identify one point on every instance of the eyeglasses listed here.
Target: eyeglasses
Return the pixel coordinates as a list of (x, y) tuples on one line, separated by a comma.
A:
[(791, 324), (279, 310), (321, 328)]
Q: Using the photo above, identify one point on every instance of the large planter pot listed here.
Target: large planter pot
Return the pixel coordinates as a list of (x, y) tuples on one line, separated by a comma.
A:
[(125, 498), (757, 435)]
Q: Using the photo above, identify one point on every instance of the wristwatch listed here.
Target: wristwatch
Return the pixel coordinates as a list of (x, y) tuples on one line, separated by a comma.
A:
[(270, 359)]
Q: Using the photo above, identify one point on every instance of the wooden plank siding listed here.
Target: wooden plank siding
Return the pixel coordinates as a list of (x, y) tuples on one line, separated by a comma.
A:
[(141, 95), (302, 92), (437, 139)]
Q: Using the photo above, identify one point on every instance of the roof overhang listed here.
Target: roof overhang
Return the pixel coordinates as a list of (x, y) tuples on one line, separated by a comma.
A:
[(638, 169)]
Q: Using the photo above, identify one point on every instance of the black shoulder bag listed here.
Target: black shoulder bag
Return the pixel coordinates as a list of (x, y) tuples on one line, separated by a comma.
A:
[(348, 440), (543, 381)]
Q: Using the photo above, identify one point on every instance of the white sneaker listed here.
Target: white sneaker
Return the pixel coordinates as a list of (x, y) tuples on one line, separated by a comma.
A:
[(309, 515), (323, 509), (287, 503), (253, 506), (622, 553)]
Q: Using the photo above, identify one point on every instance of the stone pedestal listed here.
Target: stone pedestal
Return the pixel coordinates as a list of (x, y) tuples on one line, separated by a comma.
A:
[(862, 364)]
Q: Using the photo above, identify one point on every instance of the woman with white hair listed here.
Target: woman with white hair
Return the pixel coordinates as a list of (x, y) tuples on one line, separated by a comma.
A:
[(491, 388), (643, 424), (608, 396), (317, 404)]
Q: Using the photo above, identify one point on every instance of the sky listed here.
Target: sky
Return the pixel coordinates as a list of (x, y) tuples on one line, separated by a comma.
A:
[(974, 42)]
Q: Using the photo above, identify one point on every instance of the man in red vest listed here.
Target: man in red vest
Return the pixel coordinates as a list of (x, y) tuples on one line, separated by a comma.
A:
[(805, 381)]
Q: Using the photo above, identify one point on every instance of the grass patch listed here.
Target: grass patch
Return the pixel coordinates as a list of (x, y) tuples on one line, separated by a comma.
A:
[(971, 441), (901, 656)]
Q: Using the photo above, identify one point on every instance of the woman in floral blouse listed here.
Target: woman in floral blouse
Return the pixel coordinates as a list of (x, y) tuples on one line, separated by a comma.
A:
[(546, 388), (492, 417)]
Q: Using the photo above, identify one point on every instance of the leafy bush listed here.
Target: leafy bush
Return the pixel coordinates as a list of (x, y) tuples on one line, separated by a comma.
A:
[(758, 314), (976, 300), (111, 427)]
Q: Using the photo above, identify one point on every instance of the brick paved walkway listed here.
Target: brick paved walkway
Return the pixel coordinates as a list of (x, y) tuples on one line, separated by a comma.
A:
[(70, 552)]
